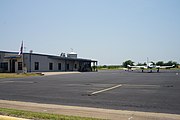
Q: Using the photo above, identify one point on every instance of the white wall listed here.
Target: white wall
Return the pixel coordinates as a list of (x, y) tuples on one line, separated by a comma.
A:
[(44, 63)]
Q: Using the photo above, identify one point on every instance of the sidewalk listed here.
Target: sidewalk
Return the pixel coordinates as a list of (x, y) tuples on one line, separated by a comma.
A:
[(58, 73), (88, 112), (2, 117)]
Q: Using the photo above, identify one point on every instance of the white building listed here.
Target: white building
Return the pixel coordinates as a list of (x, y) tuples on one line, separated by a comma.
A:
[(32, 62)]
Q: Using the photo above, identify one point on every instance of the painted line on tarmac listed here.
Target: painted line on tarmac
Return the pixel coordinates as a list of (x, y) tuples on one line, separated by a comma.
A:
[(107, 89)]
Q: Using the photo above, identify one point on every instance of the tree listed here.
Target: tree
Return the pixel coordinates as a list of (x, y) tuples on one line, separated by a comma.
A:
[(160, 63), (128, 62), (144, 63), (170, 63), (175, 63), (140, 64)]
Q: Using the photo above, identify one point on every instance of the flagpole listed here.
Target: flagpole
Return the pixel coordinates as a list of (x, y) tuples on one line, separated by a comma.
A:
[(22, 56), (22, 63)]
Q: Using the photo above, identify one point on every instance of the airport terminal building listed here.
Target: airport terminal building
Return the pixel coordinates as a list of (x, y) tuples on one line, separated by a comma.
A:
[(33, 62)]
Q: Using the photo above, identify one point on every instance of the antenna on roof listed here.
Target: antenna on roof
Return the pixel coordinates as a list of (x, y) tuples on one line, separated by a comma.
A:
[(63, 55), (31, 51)]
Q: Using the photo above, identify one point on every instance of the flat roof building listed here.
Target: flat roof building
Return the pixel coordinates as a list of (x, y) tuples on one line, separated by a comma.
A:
[(33, 62)]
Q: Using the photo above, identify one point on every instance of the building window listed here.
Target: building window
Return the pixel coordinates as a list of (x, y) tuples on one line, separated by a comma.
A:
[(59, 66), (75, 66), (4, 65), (50, 66), (36, 66), (67, 66), (19, 65)]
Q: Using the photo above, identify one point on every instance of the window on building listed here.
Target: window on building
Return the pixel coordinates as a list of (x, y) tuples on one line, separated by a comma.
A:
[(67, 66), (19, 65), (36, 66), (4, 65), (50, 66), (59, 66), (75, 66), (1, 65)]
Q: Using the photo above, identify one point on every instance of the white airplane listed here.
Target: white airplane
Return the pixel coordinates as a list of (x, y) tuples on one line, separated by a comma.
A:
[(150, 66)]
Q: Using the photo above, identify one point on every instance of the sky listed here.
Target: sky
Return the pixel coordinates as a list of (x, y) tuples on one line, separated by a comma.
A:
[(110, 31)]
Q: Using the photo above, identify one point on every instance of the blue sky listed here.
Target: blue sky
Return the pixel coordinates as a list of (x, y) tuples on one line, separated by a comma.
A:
[(110, 31)]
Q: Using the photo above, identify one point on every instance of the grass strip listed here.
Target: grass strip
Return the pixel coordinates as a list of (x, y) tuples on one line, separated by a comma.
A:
[(16, 75), (39, 115)]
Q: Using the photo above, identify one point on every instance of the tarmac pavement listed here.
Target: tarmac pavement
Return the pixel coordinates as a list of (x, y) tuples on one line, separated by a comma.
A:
[(112, 93)]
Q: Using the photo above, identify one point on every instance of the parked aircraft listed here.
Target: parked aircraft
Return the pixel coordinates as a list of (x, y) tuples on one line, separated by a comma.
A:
[(149, 66)]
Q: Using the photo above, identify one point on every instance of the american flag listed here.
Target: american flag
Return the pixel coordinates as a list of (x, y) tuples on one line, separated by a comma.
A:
[(21, 49)]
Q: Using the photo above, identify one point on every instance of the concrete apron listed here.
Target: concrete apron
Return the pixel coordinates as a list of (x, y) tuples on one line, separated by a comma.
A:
[(87, 112), (58, 73)]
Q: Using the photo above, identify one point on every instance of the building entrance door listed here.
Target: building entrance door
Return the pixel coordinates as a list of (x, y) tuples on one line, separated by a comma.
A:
[(12, 65)]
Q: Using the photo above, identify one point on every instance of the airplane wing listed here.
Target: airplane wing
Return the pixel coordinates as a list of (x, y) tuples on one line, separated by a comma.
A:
[(165, 67), (127, 69), (141, 67)]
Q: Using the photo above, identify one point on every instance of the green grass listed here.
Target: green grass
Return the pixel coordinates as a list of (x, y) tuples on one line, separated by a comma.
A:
[(39, 116), (16, 75)]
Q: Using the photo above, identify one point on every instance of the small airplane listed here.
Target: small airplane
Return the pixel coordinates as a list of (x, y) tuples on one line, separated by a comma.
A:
[(149, 66)]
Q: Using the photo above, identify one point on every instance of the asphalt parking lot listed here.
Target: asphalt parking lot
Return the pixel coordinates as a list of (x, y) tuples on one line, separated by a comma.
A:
[(134, 91)]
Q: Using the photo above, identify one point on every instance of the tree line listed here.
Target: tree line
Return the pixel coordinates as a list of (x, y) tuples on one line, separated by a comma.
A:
[(159, 63), (130, 62), (109, 66)]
